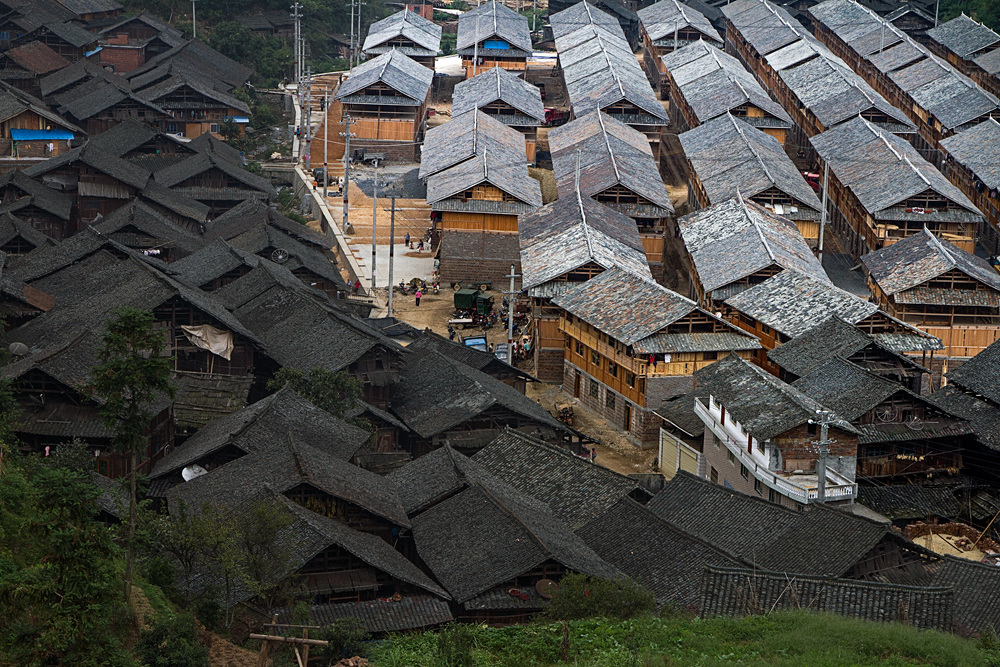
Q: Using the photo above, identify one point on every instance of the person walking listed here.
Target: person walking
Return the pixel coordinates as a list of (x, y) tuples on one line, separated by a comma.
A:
[(418, 295), (357, 286), (406, 240)]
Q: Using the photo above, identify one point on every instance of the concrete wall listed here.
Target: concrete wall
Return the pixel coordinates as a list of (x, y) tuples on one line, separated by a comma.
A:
[(643, 427)]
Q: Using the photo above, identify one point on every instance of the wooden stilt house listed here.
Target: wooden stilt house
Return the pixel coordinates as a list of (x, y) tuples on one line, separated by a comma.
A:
[(669, 25), (511, 100), (492, 35), (407, 32)]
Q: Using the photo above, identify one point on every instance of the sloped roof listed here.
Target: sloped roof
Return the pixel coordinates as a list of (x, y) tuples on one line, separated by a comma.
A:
[(501, 85), (909, 501), (425, 34), (730, 156), (977, 586), (978, 149), (467, 136), (848, 389), (103, 97), (410, 613), (984, 416), (177, 81), (13, 227), (199, 163), (572, 232), (735, 239), (38, 194), (713, 82), (201, 58), (916, 259), (489, 168), (493, 19), (37, 57), (608, 153), (764, 405), (14, 101), (580, 15), (67, 76), (764, 25), (665, 17), (137, 219), (92, 155), (395, 70), (963, 35), (979, 374), (881, 169), (431, 478), (143, 17)]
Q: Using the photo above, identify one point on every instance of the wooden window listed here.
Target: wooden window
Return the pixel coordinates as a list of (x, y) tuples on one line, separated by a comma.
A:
[(758, 487), (579, 348), (772, 496), (595, 358), (609, 400), (630, 379), (714, 476), (612, 369), (594, 391), (744, 471), (731, 457)]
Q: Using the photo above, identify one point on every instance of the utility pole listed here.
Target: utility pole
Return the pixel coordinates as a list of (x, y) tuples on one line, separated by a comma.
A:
[(307, 116), (348, 121), (392, 248), (296, 15), (534, 13), (822, 218), (510, 317), (326, 139), (357, 57), (374, 217), (824, 418), (350, 51), (194, 21)]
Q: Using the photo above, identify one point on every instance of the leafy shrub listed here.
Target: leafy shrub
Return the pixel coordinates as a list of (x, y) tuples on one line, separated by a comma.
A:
[(173, 642), (347, 637), (454, 646), (581, 596)]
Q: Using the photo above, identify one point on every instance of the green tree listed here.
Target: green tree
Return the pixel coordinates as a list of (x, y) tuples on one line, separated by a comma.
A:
[(131, 376), (266, 556), (173, 642), (334, 391), (582, 596), (183, 535)]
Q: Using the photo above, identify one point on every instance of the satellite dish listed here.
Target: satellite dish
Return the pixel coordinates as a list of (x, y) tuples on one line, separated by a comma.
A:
[(19, 349), (279, 256), (193, 471)]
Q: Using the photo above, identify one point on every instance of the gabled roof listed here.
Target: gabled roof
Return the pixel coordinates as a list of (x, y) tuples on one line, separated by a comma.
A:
[(487, 362), (635, 311), (466, 136), (395, 70), (284, 463), (713, 82), (100, 98), (12, 227), (978, 149), (436, 393), (434, 477), (489, 167), (148, 19), (883, 170), (199, 163), (493, 20), (979, 374), (848, 389), (35, 193), (92, 155), (248, 214), (200, 58), (730, 156), (69, 362), (37, 57), (764, 25), (137, 225), (765, 406), (259, 426), (912, 261), (983, 415), (570, 233), (500, 85), (58, 81), (575, 489), (964, 36), (425, 34), (737, 238), (663, 18), (488, 534), (607, 153), (581, 15), (792, 303), (599, 69), (177, 81), (977, 586), (989, 62), (69, 32)]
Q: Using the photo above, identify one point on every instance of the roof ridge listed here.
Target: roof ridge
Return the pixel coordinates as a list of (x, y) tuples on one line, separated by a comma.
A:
[(878, 134), (937, 242), (607, 143), (583, 213), (755, 223), (611, 67), (497, 502), (753, 150)]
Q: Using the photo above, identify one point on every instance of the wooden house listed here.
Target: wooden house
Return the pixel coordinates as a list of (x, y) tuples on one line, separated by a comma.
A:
[(29, 129), (966, 43), (816, 88), (702, 83), (934, 94), (511, 100), (973, 393), (789, 304), (737, 244), (940, 288), (904, 437), (669, 25), (46, 209), (482, 361), (630, 341), (127, 44), (139, 226), (407, 32), (22, 66), (93, 10), (972, 155), (78, 79), (278, 23), (728, 156), (759, 435), (600, 73), (18, 237), (387, 97), (195, 105), (66, 38), (214, 181), (614, 15), (492, 35), (881, 191), (612, 164), (98, 106), (562, 245), (198, 57)]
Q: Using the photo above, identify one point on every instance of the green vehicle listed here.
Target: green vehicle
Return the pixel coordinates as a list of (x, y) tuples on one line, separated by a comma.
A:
[(472, 300)]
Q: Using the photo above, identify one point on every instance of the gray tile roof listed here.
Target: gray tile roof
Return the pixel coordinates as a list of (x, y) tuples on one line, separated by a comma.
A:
[(764, 25), (989, 62), (599, 70), (912, 261), (575, 490), (199, 163), (663, 18), (963, 36), (410, 613), (979, 374), (730, 156), (848, 389), (488, 167), (12, 227), (608, 153), (434, 477), (488, 534), (493, 20), (978, 149), (792, 303), (469, 135), (910, 501), (92, 155), (984, 416), (500, 85), (581, 15), (138, 226), (201, 58), (977, 586), (713, 82), (177, 81), (883, 170), (735, 239), (572, 232), (393, 69), (35, 193), (656, 553), (425, 34)]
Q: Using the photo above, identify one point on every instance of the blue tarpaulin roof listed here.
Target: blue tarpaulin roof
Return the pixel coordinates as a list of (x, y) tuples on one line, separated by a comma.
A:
[(40, 135), (238, 119)]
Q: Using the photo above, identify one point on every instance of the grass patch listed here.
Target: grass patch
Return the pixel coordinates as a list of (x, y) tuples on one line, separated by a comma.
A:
[(157, 599), (785, 638)]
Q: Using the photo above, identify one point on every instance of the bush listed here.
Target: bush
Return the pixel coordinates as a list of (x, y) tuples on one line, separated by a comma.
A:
[(173, 642), (454, 646), (581, 596), (347, 637)]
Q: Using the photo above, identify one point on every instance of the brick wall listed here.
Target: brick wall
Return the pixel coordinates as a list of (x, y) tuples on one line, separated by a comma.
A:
[(549, 366), (123, 58), (643, 426), (716, 456), (395, 151), (797, 445)]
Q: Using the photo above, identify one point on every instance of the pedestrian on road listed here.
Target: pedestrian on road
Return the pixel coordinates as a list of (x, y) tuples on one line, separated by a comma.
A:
[(406, 239), (420, 248), (357, 286), (418, 295)]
